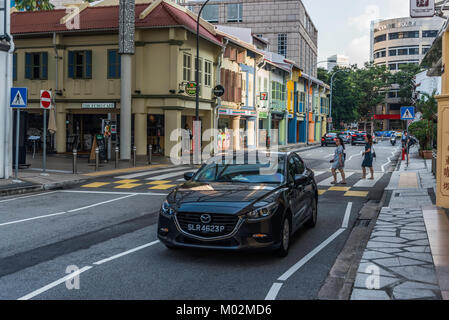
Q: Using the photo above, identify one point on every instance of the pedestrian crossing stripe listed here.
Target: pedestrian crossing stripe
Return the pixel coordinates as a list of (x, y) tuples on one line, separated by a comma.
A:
[(96, 185), (163, 187), (128, 186)]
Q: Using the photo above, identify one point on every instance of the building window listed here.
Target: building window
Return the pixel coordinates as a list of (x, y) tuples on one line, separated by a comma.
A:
[(403, 35), (413, 51), (402, 52), (392, 53), (210, 13), (235, 12), (208, 73), (200, 70), (187, 67), (429, 33), (282, 44), (425, 50), (114, 66), (80, 64), (36, 65), (14, 66), (380, 38)]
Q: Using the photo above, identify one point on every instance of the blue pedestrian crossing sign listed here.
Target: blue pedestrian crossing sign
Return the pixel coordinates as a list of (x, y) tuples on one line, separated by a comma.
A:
[(19, 97), (407, 113)]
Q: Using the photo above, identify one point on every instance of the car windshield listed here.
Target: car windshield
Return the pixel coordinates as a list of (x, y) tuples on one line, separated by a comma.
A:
[(247, 172)]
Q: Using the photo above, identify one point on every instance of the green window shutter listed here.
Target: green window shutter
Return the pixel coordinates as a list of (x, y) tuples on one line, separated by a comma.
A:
[(88, 66), (44, 65), (27, 65), (111, 64), (71, 64), (14, 66)]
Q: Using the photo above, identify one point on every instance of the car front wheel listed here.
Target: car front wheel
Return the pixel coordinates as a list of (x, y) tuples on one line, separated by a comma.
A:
[(285, 238)]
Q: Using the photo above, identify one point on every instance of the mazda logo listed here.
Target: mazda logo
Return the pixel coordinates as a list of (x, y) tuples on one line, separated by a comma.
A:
[(206, 218)]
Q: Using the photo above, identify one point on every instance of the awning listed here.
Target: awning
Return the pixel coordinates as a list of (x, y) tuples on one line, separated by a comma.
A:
[(387, 117)]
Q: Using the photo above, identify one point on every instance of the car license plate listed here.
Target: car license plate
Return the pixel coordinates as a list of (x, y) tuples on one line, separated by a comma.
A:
[(205, 228)]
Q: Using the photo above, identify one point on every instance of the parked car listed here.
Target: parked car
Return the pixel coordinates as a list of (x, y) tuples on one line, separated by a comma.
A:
[(329, 138), (233, 205), (358, 138), (346, 136)]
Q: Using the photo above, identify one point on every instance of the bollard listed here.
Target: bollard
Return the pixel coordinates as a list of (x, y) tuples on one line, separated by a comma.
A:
[(150, 151), (134, 155), (97, 158), (117, 157), (75, 154)]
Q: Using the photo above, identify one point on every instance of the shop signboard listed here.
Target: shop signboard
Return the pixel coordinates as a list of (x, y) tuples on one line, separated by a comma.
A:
[(101, 146), (422, 8), (191, 88), (98, 105), (233, 112), (263, 115), (264, 96)]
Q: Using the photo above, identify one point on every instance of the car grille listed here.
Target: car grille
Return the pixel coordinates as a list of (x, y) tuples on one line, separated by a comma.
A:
[(228, 221)]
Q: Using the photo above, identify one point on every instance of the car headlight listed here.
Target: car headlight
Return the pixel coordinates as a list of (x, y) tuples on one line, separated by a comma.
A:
[(167, 210), (263, 212)]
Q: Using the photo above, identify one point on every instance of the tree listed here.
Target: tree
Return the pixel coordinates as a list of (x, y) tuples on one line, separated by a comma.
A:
[(404, 79), (428, 106), (34, 5), (323, 75)]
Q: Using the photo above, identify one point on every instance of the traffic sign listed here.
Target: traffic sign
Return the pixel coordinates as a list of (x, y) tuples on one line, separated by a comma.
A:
[(19, 97), (219, 90), (45, 99), (407, 113)]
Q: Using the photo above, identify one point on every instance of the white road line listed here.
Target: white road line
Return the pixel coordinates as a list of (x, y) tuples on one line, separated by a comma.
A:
[(347, 216), (354, 155), (147, 173), (34, 195), (273, 291), (327, 182), (389, 161), (54, 284), (117, 193), (309, 256), (64, 212), (367, 183), (100, 203), (126, 252), (169, 175)]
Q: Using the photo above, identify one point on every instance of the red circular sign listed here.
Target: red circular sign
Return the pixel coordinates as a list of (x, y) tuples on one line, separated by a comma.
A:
[(45, 99)]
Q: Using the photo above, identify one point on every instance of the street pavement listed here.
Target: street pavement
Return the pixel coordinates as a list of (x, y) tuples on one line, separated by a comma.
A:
[(106, 229)]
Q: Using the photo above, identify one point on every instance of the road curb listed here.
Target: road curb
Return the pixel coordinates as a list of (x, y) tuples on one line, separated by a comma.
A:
[(341, 278)]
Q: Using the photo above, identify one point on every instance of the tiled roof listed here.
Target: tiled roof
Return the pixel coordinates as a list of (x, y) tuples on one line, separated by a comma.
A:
[(101, 18)]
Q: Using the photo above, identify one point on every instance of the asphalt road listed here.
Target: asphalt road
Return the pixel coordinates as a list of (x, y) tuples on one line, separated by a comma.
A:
[(106, 229)]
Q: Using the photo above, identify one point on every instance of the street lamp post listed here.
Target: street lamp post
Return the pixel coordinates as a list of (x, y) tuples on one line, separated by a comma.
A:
[(197, 123), (332, 88)]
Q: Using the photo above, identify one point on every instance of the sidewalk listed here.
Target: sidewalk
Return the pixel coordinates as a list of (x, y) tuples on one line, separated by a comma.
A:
[(409, 246)]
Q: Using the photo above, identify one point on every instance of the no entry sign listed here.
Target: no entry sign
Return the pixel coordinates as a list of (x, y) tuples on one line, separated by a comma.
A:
[(45, 99)]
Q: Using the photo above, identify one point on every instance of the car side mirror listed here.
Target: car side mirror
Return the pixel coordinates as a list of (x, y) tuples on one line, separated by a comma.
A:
[(300, 179), (188, 176)]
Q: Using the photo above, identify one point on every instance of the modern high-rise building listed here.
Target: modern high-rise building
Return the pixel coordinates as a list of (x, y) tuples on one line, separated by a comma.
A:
[(337, 60), (397, 42), (284, 23)]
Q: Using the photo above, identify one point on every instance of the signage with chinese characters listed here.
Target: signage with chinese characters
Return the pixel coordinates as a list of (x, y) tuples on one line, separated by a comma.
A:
[(191, 88), (98, 105), (422, 8)]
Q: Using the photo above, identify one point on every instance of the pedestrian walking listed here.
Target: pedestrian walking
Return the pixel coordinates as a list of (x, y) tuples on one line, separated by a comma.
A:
[(338, 163), (368, 157)]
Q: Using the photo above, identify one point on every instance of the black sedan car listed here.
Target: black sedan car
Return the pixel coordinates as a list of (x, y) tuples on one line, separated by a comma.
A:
[(358, 138), (329, 138), (238, 204)]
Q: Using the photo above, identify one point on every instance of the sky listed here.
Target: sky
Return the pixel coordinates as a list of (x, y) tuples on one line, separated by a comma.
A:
[(344, 25)]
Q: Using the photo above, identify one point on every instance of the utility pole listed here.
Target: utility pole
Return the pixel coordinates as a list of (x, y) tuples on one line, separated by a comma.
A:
[(126, 50), (6, 49)]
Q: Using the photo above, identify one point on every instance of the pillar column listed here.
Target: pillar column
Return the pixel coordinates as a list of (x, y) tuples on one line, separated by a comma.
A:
[(236, 132), (207, 123), (282, 132), (252, 133), (61, 132), (442, 190), (140, 133), (172, 120)]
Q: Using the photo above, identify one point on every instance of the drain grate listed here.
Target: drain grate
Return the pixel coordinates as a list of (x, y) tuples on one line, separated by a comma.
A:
[(362, 222)]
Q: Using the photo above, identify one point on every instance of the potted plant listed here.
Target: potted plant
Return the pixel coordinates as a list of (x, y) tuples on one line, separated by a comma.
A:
[(422, 131)]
